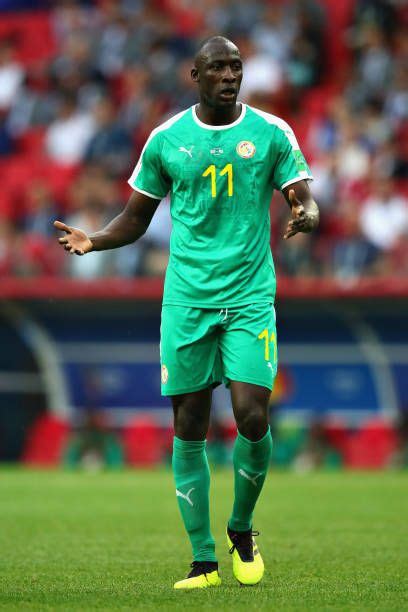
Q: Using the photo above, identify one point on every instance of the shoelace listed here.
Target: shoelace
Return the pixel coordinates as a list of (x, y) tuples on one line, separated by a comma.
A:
[(195, 564), (237, 544)]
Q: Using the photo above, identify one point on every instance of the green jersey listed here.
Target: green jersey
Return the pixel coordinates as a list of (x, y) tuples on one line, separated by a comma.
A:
[(220, 180)]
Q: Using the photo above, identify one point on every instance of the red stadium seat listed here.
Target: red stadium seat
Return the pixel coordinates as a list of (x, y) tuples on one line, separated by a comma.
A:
[(316, 100), (18, 172), (45, 442), (31, 142), (371, 447), (142, 442), (401, 187), (339, 17), (15, 175), (59, 179), (32, 34), (6, 204)]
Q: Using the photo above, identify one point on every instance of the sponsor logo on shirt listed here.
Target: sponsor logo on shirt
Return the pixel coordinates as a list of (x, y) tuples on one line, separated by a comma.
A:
[(246, 149), (217, 151), (188, 151)]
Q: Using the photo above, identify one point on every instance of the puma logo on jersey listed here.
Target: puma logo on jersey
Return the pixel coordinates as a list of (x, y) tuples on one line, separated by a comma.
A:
[(186, 496), (269, 365), (250, 478), (188, 151)]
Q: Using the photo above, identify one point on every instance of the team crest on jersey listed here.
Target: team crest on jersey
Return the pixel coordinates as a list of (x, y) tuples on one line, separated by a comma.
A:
[(246, 149), (164, 374)]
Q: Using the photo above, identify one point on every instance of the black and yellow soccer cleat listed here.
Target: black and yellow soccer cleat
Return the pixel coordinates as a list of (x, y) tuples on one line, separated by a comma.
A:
[(203, 574), (247, 564)]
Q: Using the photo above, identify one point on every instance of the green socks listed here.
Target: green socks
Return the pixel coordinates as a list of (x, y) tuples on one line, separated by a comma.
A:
[(251, 462), (192, 477)]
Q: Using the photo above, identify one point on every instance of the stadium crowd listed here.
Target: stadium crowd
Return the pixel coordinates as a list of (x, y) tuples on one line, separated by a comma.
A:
[(77, 105)]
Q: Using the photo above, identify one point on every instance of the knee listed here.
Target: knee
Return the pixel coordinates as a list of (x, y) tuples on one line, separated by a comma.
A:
[(188, 428), (190, 422), (252, 421)]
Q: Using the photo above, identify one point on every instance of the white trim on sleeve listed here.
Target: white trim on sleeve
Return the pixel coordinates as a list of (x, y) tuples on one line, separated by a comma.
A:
[(151, 195), (305, 177)]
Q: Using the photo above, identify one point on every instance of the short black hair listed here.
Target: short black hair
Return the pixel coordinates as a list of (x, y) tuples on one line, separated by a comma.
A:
[(212, 40)]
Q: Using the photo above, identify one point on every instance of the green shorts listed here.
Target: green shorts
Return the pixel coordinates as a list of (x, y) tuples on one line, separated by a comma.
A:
[(203, 347)]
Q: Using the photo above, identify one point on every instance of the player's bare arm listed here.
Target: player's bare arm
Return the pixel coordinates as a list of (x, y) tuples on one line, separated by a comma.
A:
[(127, 227), (305, 212)]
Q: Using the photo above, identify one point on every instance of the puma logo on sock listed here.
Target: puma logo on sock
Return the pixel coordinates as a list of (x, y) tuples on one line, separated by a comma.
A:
[(186, 496), (248, 477)]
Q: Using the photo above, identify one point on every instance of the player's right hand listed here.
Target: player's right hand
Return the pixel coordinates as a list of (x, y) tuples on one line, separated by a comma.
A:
[(76, 241)]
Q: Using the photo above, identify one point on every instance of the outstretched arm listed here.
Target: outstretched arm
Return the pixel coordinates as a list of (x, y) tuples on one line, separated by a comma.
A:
[(127, 227), (305, 213)]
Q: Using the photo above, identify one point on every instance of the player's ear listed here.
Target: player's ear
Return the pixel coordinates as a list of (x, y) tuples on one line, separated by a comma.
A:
[(194, 75)]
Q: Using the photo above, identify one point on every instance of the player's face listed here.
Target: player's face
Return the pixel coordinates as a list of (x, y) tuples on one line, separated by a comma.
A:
[(219, 77)]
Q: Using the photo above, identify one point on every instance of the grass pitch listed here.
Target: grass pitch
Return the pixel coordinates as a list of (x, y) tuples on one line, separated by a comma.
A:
[(114, 541)]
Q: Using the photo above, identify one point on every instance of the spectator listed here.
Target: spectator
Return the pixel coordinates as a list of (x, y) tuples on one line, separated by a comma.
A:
[(375, 63), (110, 48), (75, 72), (41, 211), (380, 13), (111, 144), (35, 106), (263, 73), (11, 75), (6, 141), (273, 34), (396, 102), (295, 258), (121, 68), (69, 135), (325, 183), (384, 216), (8, 239), (70, 17), (135, 96), (353, 159), (157, 238), (185, 85), (306, 58), (352, 255), (389, 160)]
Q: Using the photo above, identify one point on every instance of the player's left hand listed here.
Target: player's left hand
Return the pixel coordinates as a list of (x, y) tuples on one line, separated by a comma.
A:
[(302, 221)]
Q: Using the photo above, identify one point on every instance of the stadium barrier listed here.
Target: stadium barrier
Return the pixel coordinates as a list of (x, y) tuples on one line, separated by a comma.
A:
[(77, 348)]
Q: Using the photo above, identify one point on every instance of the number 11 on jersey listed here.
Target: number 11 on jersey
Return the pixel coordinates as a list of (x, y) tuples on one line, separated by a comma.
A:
[(212, 172), (269, 339)]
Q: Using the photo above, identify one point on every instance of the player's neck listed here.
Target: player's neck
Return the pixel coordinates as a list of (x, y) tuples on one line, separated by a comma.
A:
[(217, 116)]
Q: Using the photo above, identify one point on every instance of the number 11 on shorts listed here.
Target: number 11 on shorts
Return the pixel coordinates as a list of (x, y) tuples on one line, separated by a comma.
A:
[(269, 339)]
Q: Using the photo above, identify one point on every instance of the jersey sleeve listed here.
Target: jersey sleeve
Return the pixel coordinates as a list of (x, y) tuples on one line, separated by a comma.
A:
[(290, 165), (148, 176)]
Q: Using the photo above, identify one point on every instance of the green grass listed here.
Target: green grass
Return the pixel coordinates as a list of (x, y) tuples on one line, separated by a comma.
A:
[(114, 541)]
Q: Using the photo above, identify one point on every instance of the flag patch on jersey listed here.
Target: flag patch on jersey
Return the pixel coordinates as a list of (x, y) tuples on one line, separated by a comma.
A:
[(164, 374), (246, 149)]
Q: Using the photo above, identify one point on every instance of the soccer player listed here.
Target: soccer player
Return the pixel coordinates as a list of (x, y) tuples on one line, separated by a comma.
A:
[(220, 160)]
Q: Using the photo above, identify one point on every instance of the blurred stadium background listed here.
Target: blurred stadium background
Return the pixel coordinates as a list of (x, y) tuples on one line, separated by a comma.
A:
[(81, 86)]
